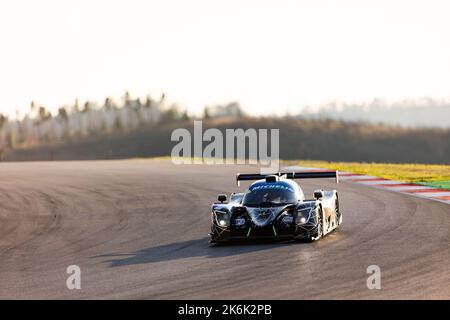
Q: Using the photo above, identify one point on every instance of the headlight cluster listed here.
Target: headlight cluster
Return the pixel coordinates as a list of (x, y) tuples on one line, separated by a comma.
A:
[(286, 218), (222, 218), (303, 215)]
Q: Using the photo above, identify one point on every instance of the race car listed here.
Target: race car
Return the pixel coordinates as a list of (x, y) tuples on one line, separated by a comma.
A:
[(275, 207)]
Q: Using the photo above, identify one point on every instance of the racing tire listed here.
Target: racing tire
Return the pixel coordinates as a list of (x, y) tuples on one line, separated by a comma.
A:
[(319, 232), (337, 211)]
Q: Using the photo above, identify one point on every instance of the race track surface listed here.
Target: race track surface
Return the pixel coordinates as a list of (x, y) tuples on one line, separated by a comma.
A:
[(138, 229)]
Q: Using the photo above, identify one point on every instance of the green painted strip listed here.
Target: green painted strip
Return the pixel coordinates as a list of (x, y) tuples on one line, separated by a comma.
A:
[(274, 231), (437, 184), (249, 229)]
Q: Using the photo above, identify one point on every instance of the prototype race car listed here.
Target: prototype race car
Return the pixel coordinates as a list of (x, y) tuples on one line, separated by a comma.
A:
[(274, 206)]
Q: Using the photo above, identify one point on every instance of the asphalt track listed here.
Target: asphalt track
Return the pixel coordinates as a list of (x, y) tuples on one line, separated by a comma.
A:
[(138, 229)]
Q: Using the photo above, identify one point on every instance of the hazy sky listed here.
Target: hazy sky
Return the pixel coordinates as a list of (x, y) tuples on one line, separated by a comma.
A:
[(269, 55)]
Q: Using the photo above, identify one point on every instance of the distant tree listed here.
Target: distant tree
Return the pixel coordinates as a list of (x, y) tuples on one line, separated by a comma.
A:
[(32, 106), (3, 120), (163, 98), (76, 106), (206, 113), (148, 102), (126, 99), (108, 104), (62, 113), (172, 113), (43, 114), (137, 104), (185, 116), (87, 106)]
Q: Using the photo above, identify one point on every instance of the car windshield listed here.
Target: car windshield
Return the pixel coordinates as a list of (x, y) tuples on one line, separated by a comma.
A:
[(269, 196)]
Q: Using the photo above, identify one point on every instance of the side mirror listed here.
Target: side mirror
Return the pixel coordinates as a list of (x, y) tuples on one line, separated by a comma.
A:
[(222, 198), (318, 194)]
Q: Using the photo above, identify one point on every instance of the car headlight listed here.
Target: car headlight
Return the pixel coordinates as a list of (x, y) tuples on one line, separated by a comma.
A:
[(222, 218), (303, 215), (286, 218)]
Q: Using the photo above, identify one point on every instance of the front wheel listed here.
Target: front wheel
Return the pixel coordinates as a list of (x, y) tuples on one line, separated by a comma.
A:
[(319, 231)]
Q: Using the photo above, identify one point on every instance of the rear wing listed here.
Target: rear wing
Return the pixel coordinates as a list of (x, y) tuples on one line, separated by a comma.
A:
[(289, 175)]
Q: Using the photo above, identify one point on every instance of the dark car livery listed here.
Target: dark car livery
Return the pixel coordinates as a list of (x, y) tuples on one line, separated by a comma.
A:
[(274, 206)]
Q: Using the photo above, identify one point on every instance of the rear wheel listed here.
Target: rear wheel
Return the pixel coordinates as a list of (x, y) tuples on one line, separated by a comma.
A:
[(337, 212)]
